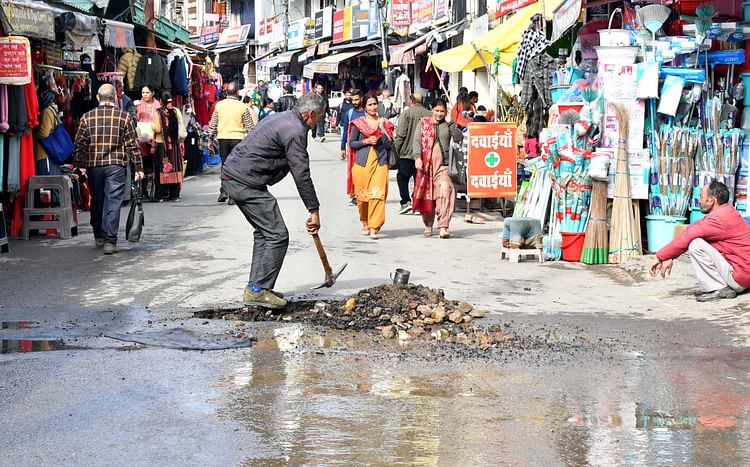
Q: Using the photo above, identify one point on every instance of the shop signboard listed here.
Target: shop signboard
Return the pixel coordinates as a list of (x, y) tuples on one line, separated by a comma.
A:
[(15, 55), (374, 29), (507, 6), (342, 25), (324, 23), (401, 13), (491, 171), (236, 35), (29, 20), (439, 9), (296, 34), (421, 12), (209, 34), (360, 20)]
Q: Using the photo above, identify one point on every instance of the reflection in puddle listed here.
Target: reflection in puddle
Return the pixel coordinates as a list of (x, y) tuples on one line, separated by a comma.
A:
[(25, 345), (348, 398), (18, 324)]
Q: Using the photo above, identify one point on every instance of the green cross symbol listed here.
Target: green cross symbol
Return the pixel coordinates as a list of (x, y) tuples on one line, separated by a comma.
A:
[(492, 160)]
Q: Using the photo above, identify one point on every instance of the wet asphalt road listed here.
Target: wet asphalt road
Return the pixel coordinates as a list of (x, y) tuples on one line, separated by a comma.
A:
[(648, 377)]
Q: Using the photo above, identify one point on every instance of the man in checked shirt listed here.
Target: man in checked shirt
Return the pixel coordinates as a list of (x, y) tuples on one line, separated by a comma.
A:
[(106, 137)]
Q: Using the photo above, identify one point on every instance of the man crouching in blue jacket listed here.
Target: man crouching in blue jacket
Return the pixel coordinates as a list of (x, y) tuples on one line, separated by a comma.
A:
[(277, 146)]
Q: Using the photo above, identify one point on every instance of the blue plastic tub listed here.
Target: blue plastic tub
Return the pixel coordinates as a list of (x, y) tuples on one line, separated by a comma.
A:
[(660, 230), (746, 7), (745, 77)]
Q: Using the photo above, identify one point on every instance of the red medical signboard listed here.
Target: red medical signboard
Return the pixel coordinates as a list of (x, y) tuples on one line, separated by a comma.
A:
[(401, 13), (15, 55), (491, 171)]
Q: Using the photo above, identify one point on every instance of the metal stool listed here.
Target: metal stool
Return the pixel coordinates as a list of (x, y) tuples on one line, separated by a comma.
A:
[(4, 248), (63, 220), (514, 254)]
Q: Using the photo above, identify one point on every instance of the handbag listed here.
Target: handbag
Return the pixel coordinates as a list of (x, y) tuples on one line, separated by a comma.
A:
[(145, 132), (394, 159), (134, 225), (58, 145)]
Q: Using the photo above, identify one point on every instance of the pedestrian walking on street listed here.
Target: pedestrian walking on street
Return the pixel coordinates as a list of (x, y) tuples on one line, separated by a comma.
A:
[(408, 125), (719, 246), (434, 193), (370, 140), (342, 109), (229, 124), (320, 130), (288, 101), (105, 140), (266, 110), (386, 107), (169, 133), (275, 148), (352, 114)]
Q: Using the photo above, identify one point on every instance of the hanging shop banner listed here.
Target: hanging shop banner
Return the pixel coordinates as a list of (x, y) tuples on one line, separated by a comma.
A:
[(360, 21), (491, 171), (209, 34), (342, 25), (296, 34), (374, 29), (236, 35), (439, 9), (28, 20), (324, 23), (117, 34), (507, 6), (421, 12), (15, 55), (401, 13)]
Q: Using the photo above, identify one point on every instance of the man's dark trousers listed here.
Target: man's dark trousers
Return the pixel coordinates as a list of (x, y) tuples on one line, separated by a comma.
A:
[(107, 185), (271, 237), (406, 171), (319, 130), (225, 148)]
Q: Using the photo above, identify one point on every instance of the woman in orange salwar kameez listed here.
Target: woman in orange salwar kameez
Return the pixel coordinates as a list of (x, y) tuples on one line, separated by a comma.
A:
[(369, 142), (434, 193)]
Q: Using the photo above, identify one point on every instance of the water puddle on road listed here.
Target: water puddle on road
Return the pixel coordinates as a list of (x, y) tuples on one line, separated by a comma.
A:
[(26, 345), (18, 324), (326, 397)]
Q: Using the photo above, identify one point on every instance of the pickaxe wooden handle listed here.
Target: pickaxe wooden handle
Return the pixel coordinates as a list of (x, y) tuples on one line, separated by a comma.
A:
[(323, 257)]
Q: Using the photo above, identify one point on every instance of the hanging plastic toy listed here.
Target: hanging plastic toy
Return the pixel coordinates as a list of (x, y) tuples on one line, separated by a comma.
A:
[(496, 61)]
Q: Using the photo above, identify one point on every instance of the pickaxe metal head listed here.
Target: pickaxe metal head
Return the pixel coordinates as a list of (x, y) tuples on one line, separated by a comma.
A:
[(331, 278)]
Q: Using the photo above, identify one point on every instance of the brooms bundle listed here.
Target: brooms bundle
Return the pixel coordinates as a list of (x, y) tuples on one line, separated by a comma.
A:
[(672, 171), (596, 244), (623, 239)]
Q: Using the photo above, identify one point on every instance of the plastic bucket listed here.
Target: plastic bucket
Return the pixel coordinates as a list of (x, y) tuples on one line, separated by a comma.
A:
[(572, 245), (660, 230), (745, 77), (557, 91), (746, 7)]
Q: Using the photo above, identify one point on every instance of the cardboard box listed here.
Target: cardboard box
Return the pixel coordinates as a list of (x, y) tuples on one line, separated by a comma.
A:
[(640, 170)]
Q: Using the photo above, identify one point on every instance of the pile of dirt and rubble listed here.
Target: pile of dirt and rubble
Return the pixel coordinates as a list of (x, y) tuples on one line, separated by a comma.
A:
[(395, 311)]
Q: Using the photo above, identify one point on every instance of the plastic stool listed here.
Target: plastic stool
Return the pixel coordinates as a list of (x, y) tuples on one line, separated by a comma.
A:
[(62, 216), (514, 254)]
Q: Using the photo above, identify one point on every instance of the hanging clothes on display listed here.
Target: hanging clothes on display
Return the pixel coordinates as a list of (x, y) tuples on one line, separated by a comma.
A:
[(402, 92), (3, 108), (197, 79), (128, 64), (180, 66), (151, 72), (534, 69), (14, 164), (27, 170)]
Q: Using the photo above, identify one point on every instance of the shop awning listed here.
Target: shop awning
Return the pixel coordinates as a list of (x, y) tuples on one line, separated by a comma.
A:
[(309, 53), (30, 20), (330, 64), (86, 6), (505, 37), (355, 45), (234, 36), (81, 31), (264, 56), (404, 55), (231, 48), (117, 34), (286, 58)]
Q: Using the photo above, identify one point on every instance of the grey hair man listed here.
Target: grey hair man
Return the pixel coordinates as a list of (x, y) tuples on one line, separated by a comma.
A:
[(277, 146), (408, 124), (106, 138)]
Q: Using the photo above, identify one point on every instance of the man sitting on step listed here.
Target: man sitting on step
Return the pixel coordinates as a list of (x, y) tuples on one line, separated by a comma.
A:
[(719, 247)]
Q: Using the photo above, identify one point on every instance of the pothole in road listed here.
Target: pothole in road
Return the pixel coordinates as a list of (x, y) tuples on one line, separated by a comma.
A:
[(414, 313)]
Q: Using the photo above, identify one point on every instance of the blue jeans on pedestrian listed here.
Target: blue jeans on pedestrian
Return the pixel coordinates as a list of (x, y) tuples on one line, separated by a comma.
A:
[(107, 186)]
